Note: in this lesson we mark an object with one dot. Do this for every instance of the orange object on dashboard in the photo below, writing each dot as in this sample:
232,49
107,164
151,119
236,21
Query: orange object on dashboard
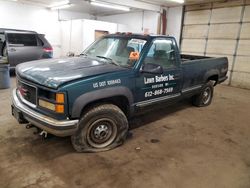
134,55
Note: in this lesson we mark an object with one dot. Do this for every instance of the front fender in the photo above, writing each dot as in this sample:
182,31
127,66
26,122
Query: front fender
96,95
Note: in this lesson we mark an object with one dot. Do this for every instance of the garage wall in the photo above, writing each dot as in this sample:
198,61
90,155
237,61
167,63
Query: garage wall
89,27
220,29
174,17
68,15
79,34
71,37
136,22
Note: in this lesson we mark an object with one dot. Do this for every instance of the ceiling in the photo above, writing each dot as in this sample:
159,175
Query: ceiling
168,3
84,6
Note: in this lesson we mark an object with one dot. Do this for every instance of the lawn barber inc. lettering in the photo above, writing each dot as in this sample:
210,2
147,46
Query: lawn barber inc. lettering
158,79
158,82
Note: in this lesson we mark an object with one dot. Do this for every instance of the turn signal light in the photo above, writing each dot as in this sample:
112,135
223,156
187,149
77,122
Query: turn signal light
60,98
59,108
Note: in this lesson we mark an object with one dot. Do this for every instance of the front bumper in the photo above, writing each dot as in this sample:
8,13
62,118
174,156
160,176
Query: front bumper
25,114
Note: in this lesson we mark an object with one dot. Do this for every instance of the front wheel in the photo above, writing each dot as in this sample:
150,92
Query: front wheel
204,98
101,128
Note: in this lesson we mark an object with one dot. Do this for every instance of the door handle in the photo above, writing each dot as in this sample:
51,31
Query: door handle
177,76
12,49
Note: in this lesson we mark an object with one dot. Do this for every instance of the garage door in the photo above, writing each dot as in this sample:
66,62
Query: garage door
220,29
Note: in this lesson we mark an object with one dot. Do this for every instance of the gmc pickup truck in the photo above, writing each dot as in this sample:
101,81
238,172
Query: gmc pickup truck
91,97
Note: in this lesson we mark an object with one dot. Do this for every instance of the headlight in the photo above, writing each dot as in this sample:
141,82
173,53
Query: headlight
46,104
57,105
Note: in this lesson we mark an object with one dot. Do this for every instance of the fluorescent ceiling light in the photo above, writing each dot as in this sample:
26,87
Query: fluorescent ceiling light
111,6
178,1
59,3
61,7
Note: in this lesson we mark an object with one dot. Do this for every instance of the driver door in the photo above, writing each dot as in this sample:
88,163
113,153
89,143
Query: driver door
152,86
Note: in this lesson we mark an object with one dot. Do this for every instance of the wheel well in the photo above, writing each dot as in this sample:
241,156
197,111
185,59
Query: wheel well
120,101
214,78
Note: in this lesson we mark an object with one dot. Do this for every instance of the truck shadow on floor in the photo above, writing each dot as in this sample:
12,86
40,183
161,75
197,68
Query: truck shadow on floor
157,113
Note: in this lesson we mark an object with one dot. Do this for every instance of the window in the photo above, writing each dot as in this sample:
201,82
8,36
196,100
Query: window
136,44
117,49
162,53
39,42
23,39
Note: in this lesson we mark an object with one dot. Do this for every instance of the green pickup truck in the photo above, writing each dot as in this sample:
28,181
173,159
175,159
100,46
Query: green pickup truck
91,97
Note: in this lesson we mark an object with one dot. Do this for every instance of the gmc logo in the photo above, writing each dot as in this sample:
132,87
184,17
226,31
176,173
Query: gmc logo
24,92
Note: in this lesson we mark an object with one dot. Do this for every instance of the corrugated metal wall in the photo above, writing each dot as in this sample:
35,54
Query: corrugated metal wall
220,29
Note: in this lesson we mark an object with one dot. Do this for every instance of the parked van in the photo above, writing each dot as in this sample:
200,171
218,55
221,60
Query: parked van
21,46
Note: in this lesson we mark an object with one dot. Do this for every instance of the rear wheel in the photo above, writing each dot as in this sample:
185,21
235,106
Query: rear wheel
101,128
205,97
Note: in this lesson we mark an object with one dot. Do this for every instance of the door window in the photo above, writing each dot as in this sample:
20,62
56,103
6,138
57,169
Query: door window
22,39
162,53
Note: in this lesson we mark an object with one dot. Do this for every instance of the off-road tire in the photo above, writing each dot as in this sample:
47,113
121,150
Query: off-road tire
104,118
204,98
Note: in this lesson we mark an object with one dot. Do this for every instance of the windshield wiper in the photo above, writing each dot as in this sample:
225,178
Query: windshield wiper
109,59
82,54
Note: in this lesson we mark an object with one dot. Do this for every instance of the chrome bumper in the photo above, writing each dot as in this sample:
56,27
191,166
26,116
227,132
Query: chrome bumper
53,126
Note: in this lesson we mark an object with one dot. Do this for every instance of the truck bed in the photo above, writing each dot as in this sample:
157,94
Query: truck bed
196,69
186,57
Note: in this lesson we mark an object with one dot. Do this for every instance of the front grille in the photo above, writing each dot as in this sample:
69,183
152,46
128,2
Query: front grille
27,92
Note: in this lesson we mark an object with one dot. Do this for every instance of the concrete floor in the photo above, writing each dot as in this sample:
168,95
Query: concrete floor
180,146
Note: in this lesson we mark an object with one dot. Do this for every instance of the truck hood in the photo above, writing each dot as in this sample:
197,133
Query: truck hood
55,72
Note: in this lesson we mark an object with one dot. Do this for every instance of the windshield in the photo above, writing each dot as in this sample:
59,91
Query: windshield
119,51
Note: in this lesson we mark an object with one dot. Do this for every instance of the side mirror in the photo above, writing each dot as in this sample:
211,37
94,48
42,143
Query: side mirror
152,68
